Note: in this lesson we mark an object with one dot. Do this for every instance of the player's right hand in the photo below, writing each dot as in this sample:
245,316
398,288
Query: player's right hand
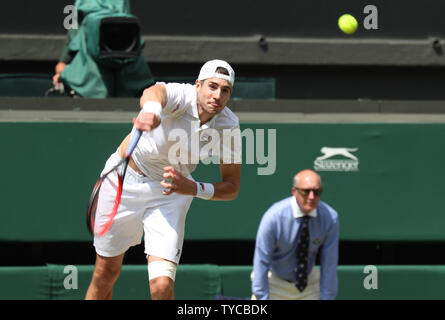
146,121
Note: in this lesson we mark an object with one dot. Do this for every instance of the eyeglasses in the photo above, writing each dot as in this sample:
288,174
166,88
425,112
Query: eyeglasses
306,192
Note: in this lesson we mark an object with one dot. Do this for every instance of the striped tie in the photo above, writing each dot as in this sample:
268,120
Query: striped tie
302,255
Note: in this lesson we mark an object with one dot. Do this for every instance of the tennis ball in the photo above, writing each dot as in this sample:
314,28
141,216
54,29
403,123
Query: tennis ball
347,23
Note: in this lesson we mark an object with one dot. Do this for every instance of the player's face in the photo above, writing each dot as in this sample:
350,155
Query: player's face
213,95
307,193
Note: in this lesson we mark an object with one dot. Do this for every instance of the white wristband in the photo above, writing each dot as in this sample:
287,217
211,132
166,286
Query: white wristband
153,107
204,190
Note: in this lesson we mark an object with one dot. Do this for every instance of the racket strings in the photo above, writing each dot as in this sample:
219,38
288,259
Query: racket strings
101,230
92,206
93,228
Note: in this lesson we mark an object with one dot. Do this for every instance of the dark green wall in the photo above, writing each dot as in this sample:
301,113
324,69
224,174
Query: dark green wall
396,194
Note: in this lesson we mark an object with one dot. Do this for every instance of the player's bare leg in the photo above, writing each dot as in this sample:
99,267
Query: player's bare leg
106,272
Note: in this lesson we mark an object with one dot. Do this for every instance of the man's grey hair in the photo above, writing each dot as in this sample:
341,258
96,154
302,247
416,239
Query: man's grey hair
295,180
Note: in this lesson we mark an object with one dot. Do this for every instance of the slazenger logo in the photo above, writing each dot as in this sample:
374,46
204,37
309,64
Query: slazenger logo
326,163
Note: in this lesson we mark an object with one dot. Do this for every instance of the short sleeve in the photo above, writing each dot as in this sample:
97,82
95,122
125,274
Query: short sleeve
179,97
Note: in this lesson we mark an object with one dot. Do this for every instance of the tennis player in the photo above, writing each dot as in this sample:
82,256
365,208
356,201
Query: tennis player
178,121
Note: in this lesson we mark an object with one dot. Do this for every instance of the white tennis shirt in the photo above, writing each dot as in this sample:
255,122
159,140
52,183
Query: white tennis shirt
181,142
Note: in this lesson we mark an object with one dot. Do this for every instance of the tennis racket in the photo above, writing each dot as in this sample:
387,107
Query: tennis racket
92,202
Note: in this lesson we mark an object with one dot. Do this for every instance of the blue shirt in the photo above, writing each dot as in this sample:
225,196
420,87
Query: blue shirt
276,244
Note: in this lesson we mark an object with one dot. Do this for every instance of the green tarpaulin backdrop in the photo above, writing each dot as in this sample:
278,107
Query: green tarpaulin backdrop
50,168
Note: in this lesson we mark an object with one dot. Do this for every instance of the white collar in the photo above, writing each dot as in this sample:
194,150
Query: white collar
297,211
210,123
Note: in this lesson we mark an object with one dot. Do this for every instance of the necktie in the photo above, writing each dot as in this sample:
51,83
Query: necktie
302,255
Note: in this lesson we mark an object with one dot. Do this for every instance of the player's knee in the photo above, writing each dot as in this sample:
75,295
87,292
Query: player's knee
161,287
107,273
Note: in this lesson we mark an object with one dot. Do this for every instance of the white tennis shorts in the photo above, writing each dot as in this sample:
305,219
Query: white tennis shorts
143,209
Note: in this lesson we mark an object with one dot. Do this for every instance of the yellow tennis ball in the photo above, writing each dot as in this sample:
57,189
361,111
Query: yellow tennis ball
347,23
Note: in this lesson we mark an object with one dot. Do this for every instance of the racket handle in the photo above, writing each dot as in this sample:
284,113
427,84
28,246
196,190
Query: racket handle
133,142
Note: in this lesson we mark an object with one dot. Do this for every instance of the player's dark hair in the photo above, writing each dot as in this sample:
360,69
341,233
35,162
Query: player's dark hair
222,70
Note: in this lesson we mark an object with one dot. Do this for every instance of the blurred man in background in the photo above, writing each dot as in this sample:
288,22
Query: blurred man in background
291,234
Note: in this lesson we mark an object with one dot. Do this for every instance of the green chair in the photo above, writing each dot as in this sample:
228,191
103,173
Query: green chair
24,84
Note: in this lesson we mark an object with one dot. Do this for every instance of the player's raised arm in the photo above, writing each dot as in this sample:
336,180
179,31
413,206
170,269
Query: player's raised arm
152,101
156,92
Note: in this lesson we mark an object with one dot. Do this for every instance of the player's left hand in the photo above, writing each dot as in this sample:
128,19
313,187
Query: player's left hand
174,181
